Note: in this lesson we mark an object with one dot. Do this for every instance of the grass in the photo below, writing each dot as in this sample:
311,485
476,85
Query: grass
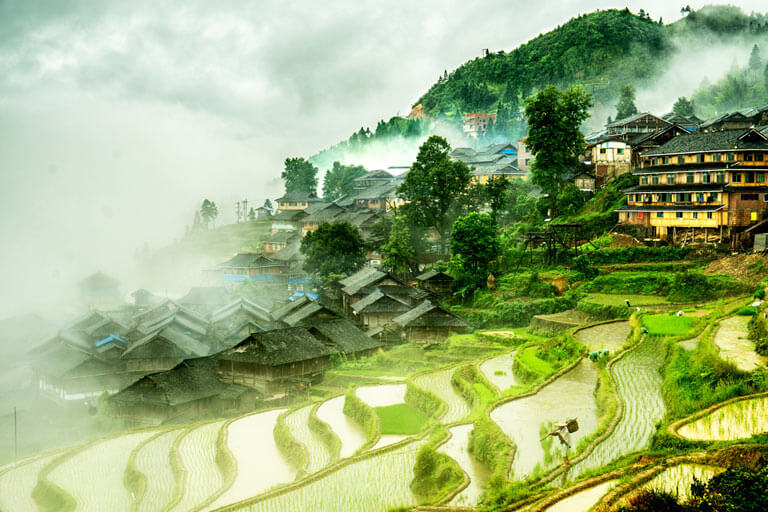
609,299
529,358
401,419
668,325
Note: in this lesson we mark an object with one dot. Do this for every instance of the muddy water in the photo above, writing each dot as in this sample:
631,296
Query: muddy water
298,424
503,365
638,382
677,480
731,339
349,431
606,336
570,396
584,500
260,465
456,448
381,396
738,420
439,383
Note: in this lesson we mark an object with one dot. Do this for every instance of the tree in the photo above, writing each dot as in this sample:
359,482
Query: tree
755,60
268,204
334,248
626,105
495,192
196,224
683,107
208,212
433,186
399,252
300,176
570,199
251,214
554,136
340,180
474,245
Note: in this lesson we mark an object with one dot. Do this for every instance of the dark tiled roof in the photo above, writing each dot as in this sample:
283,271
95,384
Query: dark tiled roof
345,336
205,296
282,237
305,312
431,274
286,309
423,316
359,280
299,196
630,119
726,140
168,342
379,302
249,260
277,347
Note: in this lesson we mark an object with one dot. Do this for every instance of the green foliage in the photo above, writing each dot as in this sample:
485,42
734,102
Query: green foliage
570,199
668,325
334,248
474,245
401,419
490,446
598,312
635,254
554,136
208,212
758,333
760,294
340,180
49,497
433,186
683,107
423,400
400,250
294,452
626,105
473,386
747,311
689,286
434,474
299,176
326,434
519,313
363,414
538,362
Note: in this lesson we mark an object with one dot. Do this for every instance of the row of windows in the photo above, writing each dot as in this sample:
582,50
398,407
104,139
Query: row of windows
680,197
715,157
705,177
678,215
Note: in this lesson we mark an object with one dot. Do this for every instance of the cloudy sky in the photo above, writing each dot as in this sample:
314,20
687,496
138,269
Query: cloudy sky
118,117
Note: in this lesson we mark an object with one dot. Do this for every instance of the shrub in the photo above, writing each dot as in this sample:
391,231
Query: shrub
434,474
363,414
425,401
491,447
747,311
760,294
603,311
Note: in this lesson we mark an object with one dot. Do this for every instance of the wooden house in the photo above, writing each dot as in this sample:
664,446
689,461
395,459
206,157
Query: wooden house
343,337
625,129
251,267
164,349
287,221
708,187
297,201
429,323
435,282
378,308
279,241
494,161
308,314
275,361
359,284
317,214
189,391
235,321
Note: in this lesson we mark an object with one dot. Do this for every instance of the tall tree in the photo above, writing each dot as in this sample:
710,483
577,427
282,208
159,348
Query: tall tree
334,248
433,186
755,60
554,137
626,105
300,176
209,212
340,180
399,252
683,107
474,245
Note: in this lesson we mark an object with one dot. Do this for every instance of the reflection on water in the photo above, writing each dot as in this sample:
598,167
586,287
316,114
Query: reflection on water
584,500
738,420
439,383
381,396
456,448
498,370
349,431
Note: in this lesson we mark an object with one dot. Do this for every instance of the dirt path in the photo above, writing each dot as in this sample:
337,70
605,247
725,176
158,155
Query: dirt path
731,338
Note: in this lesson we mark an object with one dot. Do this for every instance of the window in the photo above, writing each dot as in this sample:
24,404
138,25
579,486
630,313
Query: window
654,161
736,177
709,215
602,151
620,151
758,157
720,177
666,160
749,197
655,179
760,177
689,177
643,180
699,158
679,215
705,178
695,215
730,157
629,215
749,177
659,215
716,157
748,157
670,179
681,159
699,197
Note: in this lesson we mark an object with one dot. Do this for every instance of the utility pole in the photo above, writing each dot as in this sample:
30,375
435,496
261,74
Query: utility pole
237,207
245,210
15,437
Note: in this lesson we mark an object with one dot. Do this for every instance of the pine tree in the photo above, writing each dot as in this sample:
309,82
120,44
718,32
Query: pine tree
626,105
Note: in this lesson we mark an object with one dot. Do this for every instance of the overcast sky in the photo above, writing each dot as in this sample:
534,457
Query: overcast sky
118,118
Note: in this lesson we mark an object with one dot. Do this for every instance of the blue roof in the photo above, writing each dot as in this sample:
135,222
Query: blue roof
110,338
297,295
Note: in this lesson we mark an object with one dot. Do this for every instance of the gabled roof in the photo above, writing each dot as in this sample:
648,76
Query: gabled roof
305,312
378,174
282,237
291,252
299,196
632,119
286,309
379,302
359,280
277,347
169,313
345,337
434,275
249,260
725,140
167,342
205,296
423,316
288,216
58,359
241,304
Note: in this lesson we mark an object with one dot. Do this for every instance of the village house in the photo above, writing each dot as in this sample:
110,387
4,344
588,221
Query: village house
741,120
205,299
250,266
343,337
360,284
708,187
585,181
275,362
189,391
690,124
287,221
279,241
237,320
308,314
296,201
476,123
375,191
496,160
435,281
163,349
317,214
428,323
524,155
378,308
625,129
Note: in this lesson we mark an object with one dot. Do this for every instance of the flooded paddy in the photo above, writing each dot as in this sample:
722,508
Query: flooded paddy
456,448
605,336
677,480
381,396
570,396
260,465
388,439
638,382
298,424
584,500
498,371
102,464
197,454
153,461
17,482
735,346
349,431
369,485
439,383
738,420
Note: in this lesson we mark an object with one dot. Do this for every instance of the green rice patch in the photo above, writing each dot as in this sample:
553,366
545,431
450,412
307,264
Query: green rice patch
529,358
667,325
608,299
401,419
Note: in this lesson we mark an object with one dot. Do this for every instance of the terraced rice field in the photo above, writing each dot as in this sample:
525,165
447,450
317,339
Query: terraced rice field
387,440
456,448
439,383
381,396
584,500
351,434
373,484
197,454
17,482
101,464
298,424
731,338
677,480
639,383
498,371
605,336
738,420
260,465
570,396
153,461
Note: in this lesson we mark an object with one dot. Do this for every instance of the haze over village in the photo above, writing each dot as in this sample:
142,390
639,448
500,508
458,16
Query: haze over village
383,258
